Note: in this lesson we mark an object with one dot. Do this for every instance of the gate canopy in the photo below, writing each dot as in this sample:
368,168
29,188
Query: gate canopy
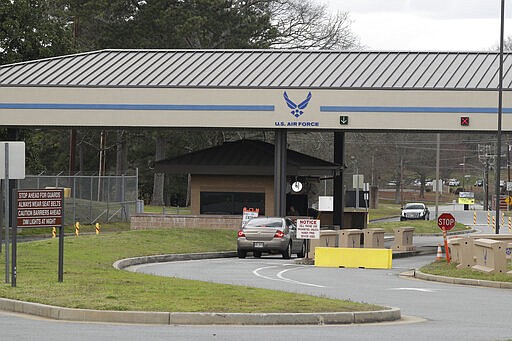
335,90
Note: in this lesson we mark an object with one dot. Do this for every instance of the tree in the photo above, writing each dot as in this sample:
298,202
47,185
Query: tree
212,24
304,24
99,24
32,29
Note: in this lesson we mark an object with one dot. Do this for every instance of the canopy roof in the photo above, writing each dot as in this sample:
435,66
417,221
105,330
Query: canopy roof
263,69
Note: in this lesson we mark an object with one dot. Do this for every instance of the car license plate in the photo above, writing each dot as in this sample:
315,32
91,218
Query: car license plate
258,244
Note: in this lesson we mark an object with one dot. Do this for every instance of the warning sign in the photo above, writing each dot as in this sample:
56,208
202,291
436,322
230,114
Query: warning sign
248,214
308,228
39,207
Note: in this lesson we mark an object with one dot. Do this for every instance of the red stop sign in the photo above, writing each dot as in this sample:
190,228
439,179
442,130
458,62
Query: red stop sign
446,221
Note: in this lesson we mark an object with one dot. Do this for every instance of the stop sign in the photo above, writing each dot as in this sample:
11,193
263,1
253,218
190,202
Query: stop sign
446,221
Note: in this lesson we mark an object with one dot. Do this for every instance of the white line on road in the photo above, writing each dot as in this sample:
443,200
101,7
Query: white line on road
281,278
414,289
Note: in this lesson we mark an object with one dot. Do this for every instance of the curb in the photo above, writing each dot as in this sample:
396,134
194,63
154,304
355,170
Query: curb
180,318
201,318
463,281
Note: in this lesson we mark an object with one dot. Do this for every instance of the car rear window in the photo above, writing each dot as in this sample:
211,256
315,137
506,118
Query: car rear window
264,223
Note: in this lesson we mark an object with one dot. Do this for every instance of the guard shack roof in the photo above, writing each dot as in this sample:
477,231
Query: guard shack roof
332,90
244,157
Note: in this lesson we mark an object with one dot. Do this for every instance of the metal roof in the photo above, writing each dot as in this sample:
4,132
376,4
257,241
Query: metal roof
244,157
263,69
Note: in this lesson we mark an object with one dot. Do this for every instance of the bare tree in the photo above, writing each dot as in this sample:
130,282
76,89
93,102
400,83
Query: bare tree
305,24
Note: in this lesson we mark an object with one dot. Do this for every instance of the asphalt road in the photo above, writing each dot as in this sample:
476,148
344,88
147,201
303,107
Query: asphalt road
432,311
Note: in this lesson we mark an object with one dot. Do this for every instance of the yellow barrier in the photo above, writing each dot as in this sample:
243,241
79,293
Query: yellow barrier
353,258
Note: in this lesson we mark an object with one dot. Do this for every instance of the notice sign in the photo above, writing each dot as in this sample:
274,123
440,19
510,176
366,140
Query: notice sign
248,214
308,228
39,207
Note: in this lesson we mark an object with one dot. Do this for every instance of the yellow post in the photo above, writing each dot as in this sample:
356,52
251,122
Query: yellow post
98,228
54,232
77,228
474,217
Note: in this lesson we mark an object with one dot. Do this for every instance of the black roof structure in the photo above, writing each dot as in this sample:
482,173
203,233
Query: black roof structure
244,157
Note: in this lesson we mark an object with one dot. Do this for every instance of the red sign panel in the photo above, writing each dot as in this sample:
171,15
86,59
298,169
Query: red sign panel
39,207
446,221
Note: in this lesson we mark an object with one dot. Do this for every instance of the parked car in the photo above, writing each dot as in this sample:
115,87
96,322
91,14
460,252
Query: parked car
479,183
272,235
453,182
416,210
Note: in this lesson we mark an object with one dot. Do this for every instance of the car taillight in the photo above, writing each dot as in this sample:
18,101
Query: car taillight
279,234
241,233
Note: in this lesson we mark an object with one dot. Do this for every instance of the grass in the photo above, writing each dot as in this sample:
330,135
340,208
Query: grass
420,226
385,209
166,209
441,268
91,282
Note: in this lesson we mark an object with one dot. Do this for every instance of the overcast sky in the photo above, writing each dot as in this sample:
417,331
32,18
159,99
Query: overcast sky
426,25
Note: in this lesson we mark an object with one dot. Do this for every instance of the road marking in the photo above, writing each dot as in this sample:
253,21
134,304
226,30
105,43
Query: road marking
281,278
414,289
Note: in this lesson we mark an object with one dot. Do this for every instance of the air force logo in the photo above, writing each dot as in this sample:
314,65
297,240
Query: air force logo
297,109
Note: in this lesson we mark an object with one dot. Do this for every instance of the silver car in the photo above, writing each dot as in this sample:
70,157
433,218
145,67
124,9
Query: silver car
272,235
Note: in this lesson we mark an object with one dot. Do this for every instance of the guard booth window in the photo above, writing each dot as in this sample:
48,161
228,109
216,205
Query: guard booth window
230,203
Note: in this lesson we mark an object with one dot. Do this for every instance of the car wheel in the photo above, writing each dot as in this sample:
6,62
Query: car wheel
256,254
402,218
302,252
241,253
287,253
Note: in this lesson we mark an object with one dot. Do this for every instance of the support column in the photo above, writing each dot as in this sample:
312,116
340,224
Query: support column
280,160
338,195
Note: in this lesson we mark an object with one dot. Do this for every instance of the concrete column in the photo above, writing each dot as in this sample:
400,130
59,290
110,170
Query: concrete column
280,161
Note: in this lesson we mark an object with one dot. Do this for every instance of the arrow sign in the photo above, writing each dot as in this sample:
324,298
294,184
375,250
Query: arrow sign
344,120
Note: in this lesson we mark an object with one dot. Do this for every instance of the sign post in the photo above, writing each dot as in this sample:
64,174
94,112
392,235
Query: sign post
308,229
39,208
446,221
12,166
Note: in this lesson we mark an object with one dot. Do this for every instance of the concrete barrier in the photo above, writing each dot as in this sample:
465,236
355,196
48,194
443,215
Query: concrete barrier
403,239
490,256
328,238
374,238
461,252
353,258
349,238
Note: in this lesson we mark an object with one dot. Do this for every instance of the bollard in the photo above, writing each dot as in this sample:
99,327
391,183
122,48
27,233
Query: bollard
77,228
98,228
54,232
474,217
509,224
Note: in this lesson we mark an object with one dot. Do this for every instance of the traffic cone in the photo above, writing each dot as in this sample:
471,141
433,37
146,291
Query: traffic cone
439,253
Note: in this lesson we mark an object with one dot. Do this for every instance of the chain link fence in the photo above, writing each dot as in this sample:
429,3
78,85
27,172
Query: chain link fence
91,199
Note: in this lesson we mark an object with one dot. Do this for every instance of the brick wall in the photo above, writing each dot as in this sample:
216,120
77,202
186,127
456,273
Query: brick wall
146,221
